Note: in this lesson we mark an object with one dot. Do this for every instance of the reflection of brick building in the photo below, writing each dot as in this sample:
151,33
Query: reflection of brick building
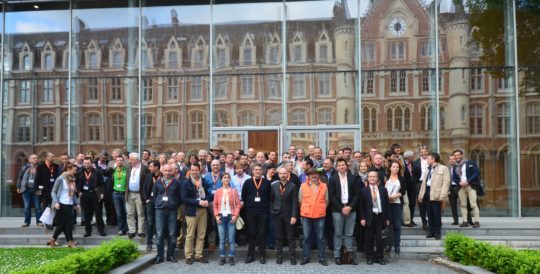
396,87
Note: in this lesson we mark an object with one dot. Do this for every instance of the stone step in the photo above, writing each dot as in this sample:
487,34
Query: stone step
36,230
469,231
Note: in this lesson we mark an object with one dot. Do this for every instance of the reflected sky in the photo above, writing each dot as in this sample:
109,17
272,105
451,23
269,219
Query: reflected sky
55,21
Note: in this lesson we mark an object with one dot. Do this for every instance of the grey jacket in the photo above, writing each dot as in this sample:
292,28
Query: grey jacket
25,178
57,189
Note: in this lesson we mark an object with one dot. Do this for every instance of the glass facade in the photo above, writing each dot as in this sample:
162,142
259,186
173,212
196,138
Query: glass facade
85,76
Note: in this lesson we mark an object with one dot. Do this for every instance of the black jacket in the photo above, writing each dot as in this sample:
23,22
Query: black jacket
286,205
417,171
173,193
94,184
366,204
249,192
45,179
148,185
334,192
189,196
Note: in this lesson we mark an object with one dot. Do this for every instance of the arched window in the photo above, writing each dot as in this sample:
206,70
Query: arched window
172,126
398,118
172,89
273,52
173,54
27,64
503,119
476,119
324,85
480,158
23,128
49,64
222,119
323,48
369,116
298,117
148,126
247,118
117,126
534,156
47,123
273,117
196,125
325,116
533,118
426,118
94,127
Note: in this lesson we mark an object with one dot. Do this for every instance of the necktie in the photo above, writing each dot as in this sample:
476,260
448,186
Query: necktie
374,197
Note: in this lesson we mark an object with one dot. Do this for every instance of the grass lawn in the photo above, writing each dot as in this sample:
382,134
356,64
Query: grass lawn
15,259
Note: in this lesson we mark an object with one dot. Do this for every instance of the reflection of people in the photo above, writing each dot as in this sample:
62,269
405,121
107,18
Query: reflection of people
467,175
90,189
396,189
420,168
64,199
434,191
46,174
26,185
374,216
226,211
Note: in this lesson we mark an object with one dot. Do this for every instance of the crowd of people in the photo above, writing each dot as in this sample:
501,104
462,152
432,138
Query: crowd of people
223,200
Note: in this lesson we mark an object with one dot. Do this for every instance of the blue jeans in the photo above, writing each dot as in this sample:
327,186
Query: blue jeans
166,222
150,221
396,215
30,198
226,231
308,225
119,199
343,231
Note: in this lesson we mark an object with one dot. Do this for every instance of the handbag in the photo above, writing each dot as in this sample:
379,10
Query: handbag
481,188
239,223
48,216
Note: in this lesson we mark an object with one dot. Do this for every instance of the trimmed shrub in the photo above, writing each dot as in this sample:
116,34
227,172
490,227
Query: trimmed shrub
96,260
499,259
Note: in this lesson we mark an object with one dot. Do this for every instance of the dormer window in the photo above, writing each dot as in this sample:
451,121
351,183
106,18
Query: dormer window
48,57
298,49
198,53
323,48
222,52
247,51
273,51
116,55
173,54
26,58
93,56
147,60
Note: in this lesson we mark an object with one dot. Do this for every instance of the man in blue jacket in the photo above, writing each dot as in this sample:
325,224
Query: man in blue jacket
467,175
166,191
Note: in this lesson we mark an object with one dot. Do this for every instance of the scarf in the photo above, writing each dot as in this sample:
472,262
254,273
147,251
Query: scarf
459,166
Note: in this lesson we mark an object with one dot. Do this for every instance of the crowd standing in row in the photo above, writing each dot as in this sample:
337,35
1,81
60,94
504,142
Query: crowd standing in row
347,195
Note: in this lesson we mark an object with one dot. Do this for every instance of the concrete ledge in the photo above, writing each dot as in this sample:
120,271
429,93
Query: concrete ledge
135,266
459,267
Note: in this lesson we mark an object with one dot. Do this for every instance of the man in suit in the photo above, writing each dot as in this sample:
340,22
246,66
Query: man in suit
408,159
89,183
467,175
343,189
420,168
284,213
434,190
46,174
374,216
134,199
328,172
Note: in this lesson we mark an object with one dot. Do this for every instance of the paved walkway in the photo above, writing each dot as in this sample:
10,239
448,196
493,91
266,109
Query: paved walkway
314,268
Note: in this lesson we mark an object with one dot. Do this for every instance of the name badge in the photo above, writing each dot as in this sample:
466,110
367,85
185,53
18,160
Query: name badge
118,186
31,181
51,180
165,198
151,194
85,187
213,192
40,187
257,199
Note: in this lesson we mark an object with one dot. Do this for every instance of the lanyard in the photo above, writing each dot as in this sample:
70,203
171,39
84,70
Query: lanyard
119,173
87,175
282,188
166,184
197,183
215,179
51,168
257,186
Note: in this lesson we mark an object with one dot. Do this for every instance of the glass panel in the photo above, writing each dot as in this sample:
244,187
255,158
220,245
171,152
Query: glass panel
230,142
34,106
175,77
321,62
398,85
479,104
529,105
304,139
339,140
247,50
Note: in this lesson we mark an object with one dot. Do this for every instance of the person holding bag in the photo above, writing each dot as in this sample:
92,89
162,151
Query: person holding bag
226,211
64,199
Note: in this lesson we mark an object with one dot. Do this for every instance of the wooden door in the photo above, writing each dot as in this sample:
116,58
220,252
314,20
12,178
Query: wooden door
263,140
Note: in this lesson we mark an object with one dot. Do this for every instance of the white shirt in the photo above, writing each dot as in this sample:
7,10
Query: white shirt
134,179
237,183
393,187
64,194
225,205
344,189
377,209
464,172
428,183
423,163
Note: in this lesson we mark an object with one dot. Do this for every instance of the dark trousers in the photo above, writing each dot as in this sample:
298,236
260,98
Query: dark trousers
412,195
421,206
453,197
284,229
110,213
360,235
90,204
150,221
329,229
396,217
434,214
374,239
166,227
64,222
256,225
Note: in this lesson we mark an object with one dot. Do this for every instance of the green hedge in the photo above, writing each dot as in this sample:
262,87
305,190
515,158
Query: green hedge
499,259
96,260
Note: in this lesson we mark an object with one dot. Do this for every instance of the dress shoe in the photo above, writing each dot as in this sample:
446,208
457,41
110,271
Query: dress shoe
52,242
470,222
222,261
409,225
249,259
353,261
50,227
279,260
211,247
131,235
262,260
103,234
381,261
437,236
40,224
455,223
323,262
201,260
189,261
148,248
158,260
430,235
25,225
397,250
72,244
369,261
231,261
293,261
87,235
304,261
476,225
413,223
142,235
172,259
464,224
338,261
424,227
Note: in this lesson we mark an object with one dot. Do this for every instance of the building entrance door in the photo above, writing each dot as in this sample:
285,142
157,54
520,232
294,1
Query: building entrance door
260,139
